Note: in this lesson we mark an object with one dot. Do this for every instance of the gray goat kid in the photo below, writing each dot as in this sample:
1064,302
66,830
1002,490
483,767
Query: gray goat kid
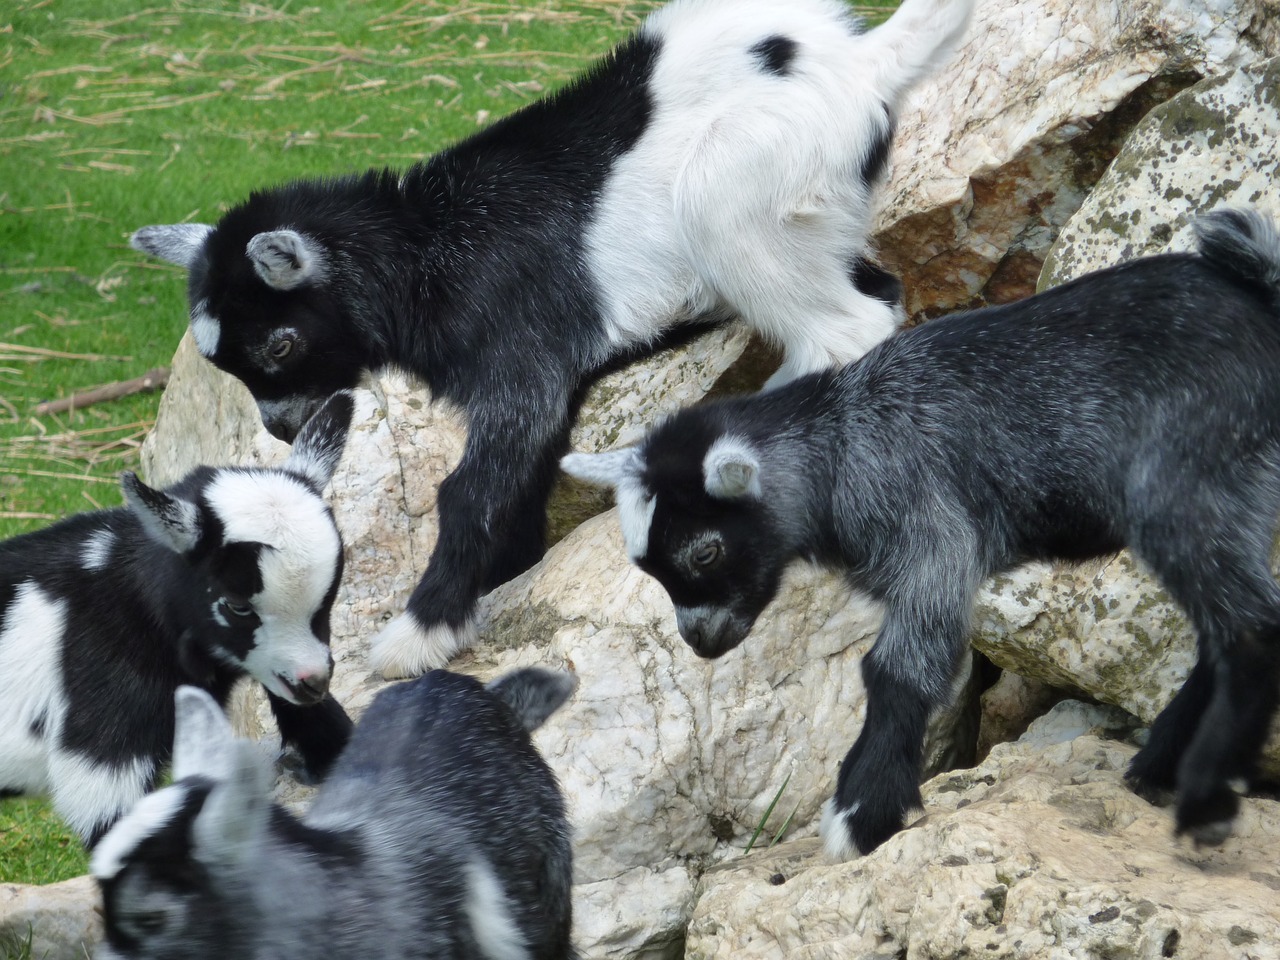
440,833
1138,406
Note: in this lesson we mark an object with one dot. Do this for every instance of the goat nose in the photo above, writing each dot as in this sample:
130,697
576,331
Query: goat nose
281,431
316,683
694,636
308,687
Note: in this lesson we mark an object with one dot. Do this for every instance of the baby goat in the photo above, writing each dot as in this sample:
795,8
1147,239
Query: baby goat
721,161
1138,406
440,833
102,616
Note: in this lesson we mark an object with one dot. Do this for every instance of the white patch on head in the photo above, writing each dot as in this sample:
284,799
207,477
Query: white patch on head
622,470
489,913
31,692
215,608
836,842
731,469
205,329
149,815
97,549
281,511
86,792
635,515
403,648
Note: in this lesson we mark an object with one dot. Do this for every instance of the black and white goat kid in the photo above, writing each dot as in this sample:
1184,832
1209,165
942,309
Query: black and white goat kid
440,834
232,571
721,161
1138,406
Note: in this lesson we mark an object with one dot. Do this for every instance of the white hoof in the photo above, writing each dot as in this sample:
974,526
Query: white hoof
403,648
834,831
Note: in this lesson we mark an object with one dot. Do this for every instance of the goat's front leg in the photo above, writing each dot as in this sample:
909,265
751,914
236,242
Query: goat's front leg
492,513
908,674
318,731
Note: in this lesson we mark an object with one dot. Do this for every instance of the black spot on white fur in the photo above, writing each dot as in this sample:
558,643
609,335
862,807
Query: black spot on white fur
775,54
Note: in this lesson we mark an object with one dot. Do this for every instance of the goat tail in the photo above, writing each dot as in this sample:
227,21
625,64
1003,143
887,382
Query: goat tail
1244,244
533,694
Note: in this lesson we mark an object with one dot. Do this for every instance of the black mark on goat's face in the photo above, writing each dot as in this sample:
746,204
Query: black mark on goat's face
269,585
719,574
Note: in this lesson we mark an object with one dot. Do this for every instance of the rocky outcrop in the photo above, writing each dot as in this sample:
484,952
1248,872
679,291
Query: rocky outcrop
58,920
1212,145
1001,148
1110,630
1038,853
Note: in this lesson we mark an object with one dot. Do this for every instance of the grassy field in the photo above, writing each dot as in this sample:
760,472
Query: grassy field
174,112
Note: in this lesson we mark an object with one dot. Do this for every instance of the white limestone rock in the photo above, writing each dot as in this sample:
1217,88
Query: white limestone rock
1000,148
1212,145
59,921
1040,852
669,761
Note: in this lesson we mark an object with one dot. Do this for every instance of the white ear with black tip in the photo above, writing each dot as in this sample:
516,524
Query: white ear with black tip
178,243
731,470
171,521
317,449
603,469
285,259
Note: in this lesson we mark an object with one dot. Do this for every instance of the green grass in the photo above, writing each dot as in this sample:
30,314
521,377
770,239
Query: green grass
35,847
110,120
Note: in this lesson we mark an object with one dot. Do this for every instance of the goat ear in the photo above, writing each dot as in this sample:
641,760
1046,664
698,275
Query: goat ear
919,37
318,447
178,243
169,520
533,694
603,469
229,828
285,259
731,470
202,736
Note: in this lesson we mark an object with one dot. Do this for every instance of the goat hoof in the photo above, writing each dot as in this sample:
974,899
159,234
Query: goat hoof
1153,791
404,648
1207,820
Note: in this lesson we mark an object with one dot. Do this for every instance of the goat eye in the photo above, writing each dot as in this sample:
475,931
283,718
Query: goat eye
708,555
282,348
241,610
149,923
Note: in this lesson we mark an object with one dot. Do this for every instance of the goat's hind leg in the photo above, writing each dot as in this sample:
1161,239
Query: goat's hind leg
1153,772
1221,761
1209,738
